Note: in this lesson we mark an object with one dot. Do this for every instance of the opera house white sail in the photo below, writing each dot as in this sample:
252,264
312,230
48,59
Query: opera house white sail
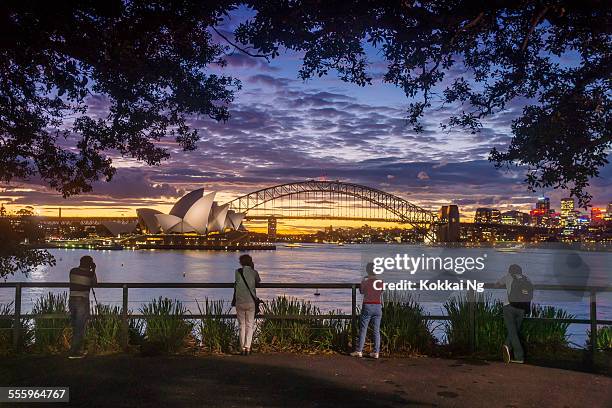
194,212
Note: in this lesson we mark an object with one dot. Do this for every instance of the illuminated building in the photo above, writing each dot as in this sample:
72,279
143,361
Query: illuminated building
487,216
514,217
195,212
272,229
598,215
567,212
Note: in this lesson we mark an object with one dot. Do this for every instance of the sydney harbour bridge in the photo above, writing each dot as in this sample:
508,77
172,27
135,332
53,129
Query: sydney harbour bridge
334,200
324,200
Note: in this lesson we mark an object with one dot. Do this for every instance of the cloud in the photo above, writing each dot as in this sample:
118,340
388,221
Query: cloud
422,175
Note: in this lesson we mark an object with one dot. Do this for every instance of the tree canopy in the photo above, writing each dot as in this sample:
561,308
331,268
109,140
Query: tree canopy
146,59
474,57
149,60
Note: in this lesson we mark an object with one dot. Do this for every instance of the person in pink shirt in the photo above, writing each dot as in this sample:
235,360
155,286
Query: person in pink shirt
371,310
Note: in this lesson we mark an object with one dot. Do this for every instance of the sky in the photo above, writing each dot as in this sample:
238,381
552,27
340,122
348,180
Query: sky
283,129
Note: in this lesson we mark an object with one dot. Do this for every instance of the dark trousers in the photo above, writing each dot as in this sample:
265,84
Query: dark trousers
513,318
79,314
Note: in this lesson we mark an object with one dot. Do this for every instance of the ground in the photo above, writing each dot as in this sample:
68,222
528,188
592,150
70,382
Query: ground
292,380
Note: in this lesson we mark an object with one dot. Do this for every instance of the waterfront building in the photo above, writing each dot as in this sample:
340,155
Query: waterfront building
487,216
195,212
515,217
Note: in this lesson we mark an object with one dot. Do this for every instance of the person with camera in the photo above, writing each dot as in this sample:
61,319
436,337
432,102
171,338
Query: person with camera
82,278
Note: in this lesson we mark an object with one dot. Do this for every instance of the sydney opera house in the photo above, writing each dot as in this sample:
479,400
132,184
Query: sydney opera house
196,212
195,221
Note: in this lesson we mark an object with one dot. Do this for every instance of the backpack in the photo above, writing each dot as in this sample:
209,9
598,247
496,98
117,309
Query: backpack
521,293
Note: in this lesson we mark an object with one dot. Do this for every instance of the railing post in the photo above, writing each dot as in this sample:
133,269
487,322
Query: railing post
353,315
17,319
124,320
593,317
471,320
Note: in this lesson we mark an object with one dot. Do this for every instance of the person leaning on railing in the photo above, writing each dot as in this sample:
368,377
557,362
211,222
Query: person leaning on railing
519,293
371,309
82,278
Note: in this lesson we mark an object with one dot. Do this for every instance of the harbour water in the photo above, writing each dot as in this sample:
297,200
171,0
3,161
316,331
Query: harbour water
329,263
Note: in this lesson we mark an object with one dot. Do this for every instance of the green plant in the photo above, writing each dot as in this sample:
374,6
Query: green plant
543,335
217,334
104,330
489,324
490,332
6,327
311,331
166,329
51,333
604,338
404,326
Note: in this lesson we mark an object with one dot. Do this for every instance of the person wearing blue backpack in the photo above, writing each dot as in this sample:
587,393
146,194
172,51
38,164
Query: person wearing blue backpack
519,291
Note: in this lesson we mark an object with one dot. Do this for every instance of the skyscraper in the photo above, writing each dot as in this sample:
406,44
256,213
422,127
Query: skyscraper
567,211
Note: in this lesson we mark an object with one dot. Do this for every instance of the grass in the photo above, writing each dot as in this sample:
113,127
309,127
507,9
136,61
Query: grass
404,326
217,334
51,334
317,333
165,330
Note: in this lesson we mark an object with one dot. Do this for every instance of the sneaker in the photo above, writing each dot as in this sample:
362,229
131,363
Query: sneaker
518,361
247,352
506,353
356,354
374,355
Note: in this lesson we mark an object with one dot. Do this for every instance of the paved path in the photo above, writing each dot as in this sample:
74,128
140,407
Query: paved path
290,380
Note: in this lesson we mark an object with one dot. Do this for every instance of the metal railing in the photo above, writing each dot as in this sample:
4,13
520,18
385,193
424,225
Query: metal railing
125,315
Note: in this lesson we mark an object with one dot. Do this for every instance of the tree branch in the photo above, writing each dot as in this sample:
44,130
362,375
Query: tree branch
535,20
244,50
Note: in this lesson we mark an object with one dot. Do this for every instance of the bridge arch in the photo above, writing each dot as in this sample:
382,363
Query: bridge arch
419,218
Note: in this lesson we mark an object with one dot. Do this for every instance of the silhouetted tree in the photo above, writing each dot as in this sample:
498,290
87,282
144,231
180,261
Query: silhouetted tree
79,79
15,255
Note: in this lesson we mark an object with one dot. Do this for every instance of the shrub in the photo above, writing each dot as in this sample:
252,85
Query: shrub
537,336
604,338
6,327
314,332
217,334
490,331
104,330
165,330
545,336
51,334
404,327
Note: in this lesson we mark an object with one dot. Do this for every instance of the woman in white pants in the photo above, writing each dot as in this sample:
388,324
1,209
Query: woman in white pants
246,278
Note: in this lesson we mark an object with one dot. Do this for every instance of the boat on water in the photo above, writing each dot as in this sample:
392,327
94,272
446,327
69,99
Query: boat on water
340,243
293,245
514,248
